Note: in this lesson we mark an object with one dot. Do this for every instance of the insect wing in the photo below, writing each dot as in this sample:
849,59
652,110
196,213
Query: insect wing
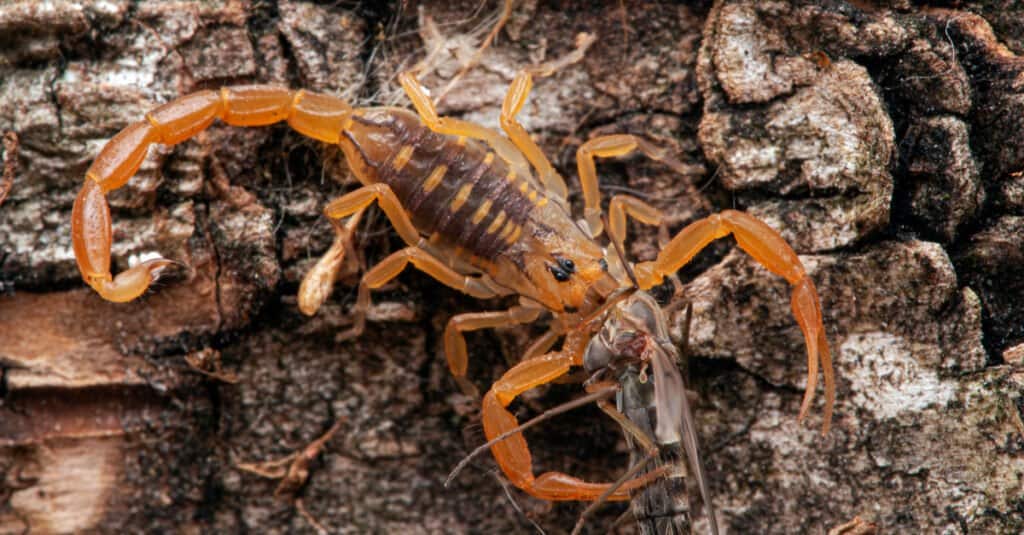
675,420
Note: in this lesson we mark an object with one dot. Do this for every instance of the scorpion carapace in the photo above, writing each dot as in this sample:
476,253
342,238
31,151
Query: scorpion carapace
473,216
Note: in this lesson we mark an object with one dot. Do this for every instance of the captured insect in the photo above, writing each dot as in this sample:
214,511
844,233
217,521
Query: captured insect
654,412
632,358
479,211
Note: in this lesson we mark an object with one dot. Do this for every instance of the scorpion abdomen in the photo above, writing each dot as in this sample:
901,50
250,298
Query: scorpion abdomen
456,190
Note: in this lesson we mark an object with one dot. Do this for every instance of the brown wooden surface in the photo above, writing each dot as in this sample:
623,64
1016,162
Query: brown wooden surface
884,139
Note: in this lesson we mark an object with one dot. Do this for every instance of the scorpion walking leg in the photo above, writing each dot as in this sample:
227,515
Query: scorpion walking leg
318,116
390,267
355,201
513,454
514,100
541,345
455,342
767,247
317,285
318,282
608,147
455,127
622,205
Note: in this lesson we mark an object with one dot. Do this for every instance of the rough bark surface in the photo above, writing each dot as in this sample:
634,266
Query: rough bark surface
885,140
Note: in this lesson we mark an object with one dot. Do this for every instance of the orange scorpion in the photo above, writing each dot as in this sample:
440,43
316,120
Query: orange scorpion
475,217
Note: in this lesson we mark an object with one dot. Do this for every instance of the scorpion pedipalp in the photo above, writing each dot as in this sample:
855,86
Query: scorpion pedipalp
769,248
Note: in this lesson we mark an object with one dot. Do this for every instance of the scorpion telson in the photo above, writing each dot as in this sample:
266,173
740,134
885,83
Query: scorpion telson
482,213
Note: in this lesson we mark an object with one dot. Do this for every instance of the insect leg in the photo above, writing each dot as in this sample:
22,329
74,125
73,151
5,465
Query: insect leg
390,267
771,250
455,342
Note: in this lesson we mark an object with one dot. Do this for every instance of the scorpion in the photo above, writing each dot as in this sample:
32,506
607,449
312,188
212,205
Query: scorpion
481,212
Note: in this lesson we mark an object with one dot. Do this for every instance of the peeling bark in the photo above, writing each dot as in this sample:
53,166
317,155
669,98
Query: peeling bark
885,140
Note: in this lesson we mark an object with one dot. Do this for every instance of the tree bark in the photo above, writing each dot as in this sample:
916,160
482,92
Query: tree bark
885,141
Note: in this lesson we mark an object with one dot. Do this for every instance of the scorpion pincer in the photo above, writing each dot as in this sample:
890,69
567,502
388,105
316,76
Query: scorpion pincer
483,213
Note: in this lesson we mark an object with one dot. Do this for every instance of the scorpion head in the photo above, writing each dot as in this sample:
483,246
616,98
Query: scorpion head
567,271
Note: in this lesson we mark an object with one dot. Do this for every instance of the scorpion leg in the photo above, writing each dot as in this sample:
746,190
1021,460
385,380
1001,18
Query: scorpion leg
513,454
455,127
317,285
455,342
767,247
514,100
622,205
609,147
390,267
318,116
355,201
541,345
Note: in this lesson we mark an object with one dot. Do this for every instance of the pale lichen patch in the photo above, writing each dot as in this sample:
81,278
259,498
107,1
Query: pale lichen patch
887,378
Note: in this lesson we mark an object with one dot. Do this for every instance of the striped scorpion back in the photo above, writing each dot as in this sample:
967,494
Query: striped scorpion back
455,190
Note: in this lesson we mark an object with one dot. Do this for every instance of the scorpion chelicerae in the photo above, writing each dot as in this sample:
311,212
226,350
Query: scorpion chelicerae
483,213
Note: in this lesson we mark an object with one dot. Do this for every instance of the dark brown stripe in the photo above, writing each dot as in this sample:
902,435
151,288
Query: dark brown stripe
439,156
517,207
502,193
458,225
405,181
431,211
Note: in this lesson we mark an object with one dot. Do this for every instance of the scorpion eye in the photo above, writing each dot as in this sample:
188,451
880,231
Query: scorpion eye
563,270
560,274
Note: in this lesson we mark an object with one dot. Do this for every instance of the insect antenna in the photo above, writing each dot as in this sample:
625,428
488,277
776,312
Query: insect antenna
598,395
633,470
688,432
515,505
